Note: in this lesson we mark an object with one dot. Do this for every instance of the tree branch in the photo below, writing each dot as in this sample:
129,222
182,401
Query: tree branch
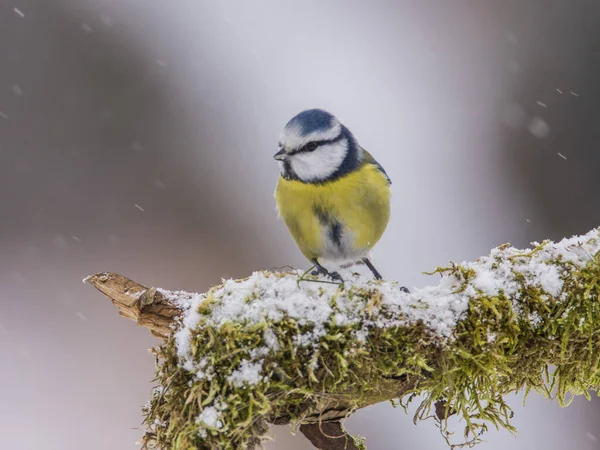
270,349
328,436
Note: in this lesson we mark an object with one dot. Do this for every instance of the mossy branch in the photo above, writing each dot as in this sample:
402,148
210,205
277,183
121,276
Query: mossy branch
270,350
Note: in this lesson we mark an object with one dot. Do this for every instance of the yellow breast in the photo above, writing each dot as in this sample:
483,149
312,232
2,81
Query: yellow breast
359,202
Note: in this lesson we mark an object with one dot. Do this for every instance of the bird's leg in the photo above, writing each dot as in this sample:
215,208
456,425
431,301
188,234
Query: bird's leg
377,275
320,270
372,268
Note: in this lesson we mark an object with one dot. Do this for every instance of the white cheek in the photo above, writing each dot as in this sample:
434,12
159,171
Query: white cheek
321,163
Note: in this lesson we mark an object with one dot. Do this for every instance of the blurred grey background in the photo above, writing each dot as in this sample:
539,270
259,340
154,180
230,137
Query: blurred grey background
136,136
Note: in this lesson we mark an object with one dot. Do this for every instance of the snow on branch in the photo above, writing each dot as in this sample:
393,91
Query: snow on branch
271,349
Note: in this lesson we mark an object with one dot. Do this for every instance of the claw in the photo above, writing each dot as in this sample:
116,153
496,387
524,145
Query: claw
335,276
320,270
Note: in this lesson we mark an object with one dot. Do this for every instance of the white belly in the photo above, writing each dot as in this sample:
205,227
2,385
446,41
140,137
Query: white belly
338,246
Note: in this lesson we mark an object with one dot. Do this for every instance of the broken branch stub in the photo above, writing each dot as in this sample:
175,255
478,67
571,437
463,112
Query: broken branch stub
146,306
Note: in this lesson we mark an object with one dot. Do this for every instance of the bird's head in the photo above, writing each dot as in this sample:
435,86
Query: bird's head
315,147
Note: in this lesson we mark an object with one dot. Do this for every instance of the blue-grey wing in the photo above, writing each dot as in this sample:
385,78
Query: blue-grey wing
368,159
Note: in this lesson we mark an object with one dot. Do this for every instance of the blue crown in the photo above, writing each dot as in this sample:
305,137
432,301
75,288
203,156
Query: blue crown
311,120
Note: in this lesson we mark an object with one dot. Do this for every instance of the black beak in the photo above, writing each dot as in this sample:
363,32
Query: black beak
280,155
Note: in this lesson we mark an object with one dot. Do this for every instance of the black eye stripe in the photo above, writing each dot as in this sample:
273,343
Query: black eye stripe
317,144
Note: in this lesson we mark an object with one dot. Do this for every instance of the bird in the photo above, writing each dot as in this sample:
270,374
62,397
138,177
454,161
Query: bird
333,196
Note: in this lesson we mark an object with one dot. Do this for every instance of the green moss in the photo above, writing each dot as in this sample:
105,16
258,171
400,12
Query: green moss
499,346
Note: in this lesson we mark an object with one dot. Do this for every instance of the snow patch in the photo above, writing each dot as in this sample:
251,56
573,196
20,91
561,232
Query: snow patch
248,372
209,417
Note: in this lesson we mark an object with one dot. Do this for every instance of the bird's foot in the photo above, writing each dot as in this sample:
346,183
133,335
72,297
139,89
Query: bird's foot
335,276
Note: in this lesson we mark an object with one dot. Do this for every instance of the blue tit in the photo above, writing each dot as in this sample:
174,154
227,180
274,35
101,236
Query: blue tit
332,194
